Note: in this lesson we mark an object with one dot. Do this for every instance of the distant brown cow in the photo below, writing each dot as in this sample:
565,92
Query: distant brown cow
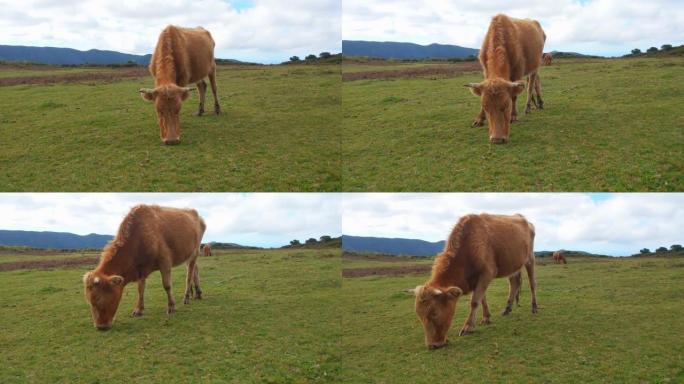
558,258
479,249
150,238
548,58
183,56
206,250
511,50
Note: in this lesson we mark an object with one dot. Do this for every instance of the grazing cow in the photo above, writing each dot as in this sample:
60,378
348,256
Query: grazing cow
511,50
479,249
183,56
150,238
558,258
206,250
548,58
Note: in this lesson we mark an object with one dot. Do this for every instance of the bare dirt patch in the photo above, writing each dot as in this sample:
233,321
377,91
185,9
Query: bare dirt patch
444,70
104,76
48,264
351,256
387,271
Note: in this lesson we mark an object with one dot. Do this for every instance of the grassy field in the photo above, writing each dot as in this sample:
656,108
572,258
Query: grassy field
279,131
608,125
265,318
600,320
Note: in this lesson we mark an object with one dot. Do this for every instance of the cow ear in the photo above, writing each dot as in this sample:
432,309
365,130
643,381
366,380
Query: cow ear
453,292
116,280
517,88
186,93
475,88
86,277
414,291
147,94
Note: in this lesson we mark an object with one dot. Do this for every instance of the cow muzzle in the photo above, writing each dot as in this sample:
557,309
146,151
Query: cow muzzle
437,345
171,141
103,327
498,140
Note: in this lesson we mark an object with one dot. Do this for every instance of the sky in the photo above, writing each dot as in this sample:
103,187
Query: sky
599,27
264,31
256,219
610,224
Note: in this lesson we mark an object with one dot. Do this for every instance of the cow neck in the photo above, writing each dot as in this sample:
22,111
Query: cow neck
449,270
166,72
498,64
118,263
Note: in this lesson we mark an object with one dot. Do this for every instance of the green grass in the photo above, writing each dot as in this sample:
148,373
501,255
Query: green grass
279,131
265,318
608,125
599,321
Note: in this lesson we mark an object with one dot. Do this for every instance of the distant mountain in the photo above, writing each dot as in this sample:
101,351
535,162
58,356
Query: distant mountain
394,246
55,240
393,50
68,56
573,55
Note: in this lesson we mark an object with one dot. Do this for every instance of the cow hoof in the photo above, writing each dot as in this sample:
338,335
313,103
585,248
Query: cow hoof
528,110
217,111
535,309
198,296
498,140
171,310
186,300
137,313
465,332
200,112
485,321
506,311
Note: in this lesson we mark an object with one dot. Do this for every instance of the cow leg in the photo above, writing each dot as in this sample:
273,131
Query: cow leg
202,88
140,305
537,90
485,311
533,284
165,271
475,300
480,119
514,113
212,80
514,283
188,281
530,90
198,290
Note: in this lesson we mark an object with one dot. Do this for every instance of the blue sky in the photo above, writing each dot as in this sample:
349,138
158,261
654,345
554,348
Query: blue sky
601,27
264,31
613,224
259,219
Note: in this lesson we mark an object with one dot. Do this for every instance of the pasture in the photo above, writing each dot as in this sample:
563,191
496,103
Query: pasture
608,125
266,317
600,320
87,129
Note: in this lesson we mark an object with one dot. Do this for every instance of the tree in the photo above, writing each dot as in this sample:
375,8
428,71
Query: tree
666,47
294,58
310,57
636,51
324,55
661,249
645,251
311,241
295,242
325,239
652,50
676,248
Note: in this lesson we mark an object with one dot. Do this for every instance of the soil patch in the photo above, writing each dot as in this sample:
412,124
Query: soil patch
108,77
49,264
446,70
387,271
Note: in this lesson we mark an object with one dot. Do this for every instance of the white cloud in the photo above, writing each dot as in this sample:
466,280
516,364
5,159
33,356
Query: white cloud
607,27
265,31
615,224
264,219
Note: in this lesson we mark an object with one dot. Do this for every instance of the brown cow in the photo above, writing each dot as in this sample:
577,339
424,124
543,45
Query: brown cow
548,58
479,249
150,238
558,258
206,250
183,56
511,50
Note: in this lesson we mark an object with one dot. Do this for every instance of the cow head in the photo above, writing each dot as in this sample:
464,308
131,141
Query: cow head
103,293
167,100
435,308
496,96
